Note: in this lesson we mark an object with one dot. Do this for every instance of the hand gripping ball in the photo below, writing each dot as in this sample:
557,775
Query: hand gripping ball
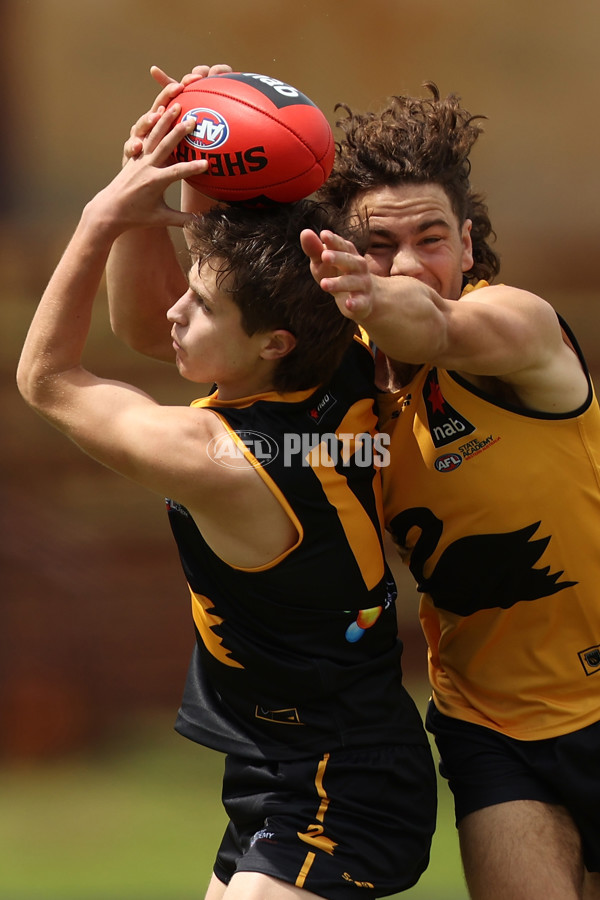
263,139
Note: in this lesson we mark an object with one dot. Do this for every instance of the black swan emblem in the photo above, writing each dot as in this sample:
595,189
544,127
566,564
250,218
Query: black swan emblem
480,571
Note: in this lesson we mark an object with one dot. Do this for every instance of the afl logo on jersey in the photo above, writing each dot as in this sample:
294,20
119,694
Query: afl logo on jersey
211,129
448,462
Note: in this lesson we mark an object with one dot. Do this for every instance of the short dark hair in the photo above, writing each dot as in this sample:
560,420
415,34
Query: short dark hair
259,262
415,140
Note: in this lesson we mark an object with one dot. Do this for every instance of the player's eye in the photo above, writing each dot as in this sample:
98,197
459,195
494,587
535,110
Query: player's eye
200,300
378,246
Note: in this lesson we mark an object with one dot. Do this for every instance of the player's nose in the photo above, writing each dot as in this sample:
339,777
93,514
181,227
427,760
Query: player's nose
406,261
177,313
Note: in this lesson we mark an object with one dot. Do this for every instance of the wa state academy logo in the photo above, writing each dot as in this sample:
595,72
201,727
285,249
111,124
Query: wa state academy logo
445,423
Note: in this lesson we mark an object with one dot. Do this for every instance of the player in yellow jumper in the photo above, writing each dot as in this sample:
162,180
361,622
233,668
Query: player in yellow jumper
513,646
493,497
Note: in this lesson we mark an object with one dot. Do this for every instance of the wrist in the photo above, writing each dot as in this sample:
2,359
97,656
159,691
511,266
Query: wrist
99,222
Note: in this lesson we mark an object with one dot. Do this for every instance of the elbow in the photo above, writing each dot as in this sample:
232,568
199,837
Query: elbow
31,388
24,382
124,332
42,391
155,343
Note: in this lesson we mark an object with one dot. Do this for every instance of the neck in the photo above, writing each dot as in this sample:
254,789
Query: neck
391,375
248,388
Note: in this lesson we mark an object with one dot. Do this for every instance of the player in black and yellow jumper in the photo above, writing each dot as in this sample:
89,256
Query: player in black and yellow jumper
275,506
492,495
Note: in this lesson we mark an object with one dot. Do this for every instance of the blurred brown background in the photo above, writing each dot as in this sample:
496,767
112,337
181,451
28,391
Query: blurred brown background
94,615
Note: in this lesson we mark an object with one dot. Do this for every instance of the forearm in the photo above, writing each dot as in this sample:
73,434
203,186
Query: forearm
50,374
56,338
144,279
406,319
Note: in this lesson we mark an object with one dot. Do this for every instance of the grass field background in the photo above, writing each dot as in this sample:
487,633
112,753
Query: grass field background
140,819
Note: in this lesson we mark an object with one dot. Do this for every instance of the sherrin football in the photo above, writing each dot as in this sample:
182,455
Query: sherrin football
263,139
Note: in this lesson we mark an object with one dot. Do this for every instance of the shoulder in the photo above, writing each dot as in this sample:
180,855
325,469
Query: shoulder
508,296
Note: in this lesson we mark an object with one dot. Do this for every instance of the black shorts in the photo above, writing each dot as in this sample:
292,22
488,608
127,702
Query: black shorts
350,823
485,767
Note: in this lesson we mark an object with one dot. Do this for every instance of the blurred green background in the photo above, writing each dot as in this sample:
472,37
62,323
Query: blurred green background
100,798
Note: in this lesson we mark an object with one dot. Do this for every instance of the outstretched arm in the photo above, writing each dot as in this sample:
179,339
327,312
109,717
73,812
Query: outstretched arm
403,316
144,276
162,448
115,423
499,332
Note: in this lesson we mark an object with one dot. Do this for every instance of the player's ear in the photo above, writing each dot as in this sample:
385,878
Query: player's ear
467,245
278,344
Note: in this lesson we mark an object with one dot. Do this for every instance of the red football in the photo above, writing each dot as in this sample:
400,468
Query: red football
263,139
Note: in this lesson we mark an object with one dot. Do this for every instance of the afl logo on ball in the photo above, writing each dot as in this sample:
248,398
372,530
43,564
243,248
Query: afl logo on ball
211,129
448,462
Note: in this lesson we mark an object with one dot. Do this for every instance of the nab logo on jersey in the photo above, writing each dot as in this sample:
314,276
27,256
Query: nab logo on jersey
448,462
445,423
211,129
318,412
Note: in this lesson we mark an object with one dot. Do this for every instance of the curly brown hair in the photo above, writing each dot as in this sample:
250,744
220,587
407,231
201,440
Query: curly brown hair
260,264
415,140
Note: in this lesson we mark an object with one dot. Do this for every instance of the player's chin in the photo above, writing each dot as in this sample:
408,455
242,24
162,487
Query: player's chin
180,363
190,372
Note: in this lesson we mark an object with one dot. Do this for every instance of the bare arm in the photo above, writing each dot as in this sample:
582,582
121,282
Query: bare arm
496,332
162,448
143,275
114,422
